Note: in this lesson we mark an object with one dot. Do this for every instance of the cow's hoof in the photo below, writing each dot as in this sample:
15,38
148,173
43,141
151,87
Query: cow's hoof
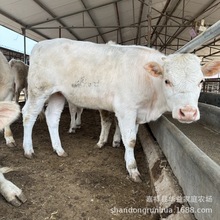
63,154
136,179
116,144
72,130
11,144
135,175
20,199
29,156
78,126
100,144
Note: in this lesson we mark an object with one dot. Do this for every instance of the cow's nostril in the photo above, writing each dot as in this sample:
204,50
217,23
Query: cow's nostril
182,113
195,113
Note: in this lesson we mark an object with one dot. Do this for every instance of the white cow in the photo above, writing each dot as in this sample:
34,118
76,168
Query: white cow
6,93
9,112
137,83
20,71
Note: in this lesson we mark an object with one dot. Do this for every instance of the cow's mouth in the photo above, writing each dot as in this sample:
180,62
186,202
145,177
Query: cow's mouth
186,121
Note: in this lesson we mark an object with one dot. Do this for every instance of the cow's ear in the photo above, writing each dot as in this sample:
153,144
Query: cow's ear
154,69
9,111
211,68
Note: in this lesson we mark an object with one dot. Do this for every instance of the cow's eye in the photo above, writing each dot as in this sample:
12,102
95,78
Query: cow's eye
202,81
167,82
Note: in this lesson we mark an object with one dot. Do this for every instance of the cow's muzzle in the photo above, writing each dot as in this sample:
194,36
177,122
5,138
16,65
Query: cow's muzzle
188,114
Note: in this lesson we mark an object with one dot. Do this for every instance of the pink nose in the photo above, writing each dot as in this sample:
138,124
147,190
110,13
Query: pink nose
188,113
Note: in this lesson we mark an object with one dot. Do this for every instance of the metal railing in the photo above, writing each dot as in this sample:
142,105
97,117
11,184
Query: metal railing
211,85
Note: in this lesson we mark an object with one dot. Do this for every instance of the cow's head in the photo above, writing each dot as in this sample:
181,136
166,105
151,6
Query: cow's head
182,78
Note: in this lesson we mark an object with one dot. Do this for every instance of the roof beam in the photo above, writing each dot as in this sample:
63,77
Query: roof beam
207,45
132,39
109,26
176,4
130,26
139,21
54,16
23,25
93,21
171,17
144,36
211,54
118,21
180,30
74,13
207,35
149,23
161,15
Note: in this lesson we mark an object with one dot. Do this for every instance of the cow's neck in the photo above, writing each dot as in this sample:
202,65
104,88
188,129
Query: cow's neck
154,106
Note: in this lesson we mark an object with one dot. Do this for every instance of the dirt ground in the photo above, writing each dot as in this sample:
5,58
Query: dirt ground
89,184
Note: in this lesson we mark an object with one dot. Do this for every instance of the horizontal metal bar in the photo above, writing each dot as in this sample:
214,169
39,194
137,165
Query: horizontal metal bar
170,45
113,26
207,35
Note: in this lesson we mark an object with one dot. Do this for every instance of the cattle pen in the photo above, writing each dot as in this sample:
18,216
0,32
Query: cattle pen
179,163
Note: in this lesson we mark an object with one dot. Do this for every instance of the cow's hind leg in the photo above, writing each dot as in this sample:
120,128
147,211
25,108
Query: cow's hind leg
55,107
30,111
106,121
17,94
75,113
72,109
78,117
117,135
128,128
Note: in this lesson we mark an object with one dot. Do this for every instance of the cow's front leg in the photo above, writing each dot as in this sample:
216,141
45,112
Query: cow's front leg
128,127
75,114
55,107
11,192
30,111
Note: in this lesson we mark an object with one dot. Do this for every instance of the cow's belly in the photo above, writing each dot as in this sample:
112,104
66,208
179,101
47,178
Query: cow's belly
90,99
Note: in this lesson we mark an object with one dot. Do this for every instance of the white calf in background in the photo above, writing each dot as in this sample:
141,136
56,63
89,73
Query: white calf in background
6,93
9,112
20,71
